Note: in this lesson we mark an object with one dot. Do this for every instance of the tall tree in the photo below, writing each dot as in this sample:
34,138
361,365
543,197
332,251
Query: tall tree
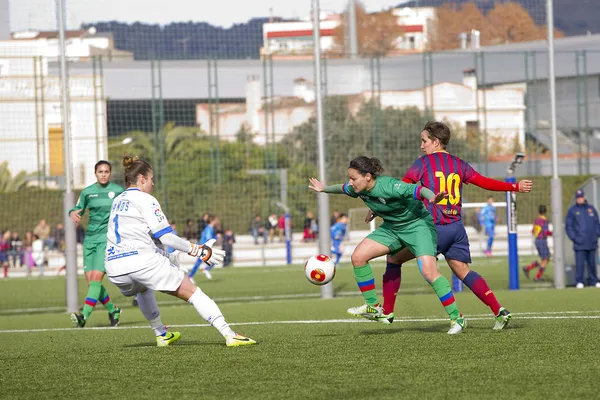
506,22
377,33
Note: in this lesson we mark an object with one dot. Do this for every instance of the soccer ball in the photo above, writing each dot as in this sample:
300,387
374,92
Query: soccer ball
319,269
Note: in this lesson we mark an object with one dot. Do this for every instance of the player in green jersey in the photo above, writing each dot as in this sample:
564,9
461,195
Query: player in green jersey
406,223
97,198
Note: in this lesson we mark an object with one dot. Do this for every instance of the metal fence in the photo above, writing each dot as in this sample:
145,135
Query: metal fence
230,127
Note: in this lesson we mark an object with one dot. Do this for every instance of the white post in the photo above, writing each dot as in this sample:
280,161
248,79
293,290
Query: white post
555,183
323,199
69,196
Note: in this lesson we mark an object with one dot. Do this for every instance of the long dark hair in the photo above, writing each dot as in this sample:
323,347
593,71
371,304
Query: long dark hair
365,165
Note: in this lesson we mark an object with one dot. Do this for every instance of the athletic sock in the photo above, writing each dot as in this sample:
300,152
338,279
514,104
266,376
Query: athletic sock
533,265
148,307
480,288
441,286
366,283
540,273
209,310
91,298
105,300
391,284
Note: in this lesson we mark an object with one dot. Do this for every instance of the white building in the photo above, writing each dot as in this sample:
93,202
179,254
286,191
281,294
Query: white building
295,38
31,124
502,118
416,23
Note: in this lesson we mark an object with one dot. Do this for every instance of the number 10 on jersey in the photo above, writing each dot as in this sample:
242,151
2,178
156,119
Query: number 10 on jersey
450,184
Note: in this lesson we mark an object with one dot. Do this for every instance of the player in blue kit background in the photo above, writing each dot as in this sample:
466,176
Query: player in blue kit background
209,232
442,172
338,233
487,219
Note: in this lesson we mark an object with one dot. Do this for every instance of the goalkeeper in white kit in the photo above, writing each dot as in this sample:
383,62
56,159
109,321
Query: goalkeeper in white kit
138,268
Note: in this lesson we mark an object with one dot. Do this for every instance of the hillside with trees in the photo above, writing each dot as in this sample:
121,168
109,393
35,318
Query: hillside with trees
508,22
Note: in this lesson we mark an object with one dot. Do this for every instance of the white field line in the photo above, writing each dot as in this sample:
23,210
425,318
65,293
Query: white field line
522,316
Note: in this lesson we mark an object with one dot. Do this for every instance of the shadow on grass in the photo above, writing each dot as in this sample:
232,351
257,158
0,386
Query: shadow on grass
185,343
339,289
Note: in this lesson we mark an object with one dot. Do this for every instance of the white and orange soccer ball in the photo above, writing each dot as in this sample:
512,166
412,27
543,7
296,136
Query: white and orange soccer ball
319,269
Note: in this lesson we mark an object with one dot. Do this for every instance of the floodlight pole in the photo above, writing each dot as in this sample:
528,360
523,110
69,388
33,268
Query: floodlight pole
323,199
71,292
555,183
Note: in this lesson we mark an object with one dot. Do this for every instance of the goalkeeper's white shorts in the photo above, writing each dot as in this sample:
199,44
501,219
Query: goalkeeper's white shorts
159,274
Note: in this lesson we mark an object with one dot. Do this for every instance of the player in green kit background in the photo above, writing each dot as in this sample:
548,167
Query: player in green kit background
98,199
406,223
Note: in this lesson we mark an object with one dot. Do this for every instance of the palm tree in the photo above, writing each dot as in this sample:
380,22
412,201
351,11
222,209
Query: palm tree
179,142
9,183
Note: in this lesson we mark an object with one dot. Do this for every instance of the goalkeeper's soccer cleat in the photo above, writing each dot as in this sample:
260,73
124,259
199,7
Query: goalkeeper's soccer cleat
366,311
115,317
78,319
502,319
457,326
167,339
238,340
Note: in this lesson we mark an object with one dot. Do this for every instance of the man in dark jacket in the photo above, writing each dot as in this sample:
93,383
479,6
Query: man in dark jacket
583,228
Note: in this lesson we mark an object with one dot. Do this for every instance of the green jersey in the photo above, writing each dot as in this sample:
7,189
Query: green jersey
393,200
98,200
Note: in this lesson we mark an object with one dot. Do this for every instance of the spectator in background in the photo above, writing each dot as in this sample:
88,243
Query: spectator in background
4,251
201,225
190,232
80,233
334,217
228,241
257,229
487,219
583,228
309,227
272,227
37,252
27,257
58,237
42,230
16,252
281,226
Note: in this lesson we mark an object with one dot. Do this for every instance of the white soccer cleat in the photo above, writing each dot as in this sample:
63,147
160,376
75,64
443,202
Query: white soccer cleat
457,326
598,285
207,274
580,285
366,311
238,340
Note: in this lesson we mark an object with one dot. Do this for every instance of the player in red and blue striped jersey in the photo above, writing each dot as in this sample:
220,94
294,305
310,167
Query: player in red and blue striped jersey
540,231
442,172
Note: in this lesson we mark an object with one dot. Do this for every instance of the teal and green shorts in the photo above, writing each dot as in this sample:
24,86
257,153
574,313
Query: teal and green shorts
419,236
93,256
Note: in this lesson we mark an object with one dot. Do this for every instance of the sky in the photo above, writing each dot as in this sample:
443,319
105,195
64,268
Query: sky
40,14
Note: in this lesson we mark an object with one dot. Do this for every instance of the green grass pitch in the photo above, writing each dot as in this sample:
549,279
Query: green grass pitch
308,348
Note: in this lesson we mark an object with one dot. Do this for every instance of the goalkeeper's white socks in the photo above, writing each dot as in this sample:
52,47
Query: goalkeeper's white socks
148,307
209,310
